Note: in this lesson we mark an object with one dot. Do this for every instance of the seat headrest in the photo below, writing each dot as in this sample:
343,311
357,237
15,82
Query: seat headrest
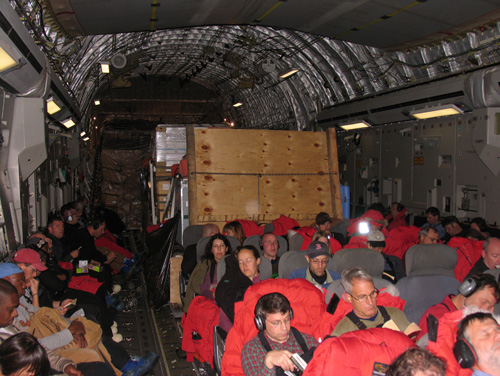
426,259
369,259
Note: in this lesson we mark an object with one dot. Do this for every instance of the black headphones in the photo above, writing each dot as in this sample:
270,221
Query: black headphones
400,207
261,241
468,286
259,318
464,353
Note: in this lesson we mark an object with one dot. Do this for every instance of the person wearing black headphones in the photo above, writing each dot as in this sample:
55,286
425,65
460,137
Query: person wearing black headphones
478,344
270,352
480,290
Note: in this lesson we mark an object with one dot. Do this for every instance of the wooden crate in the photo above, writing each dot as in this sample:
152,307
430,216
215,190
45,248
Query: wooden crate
261,174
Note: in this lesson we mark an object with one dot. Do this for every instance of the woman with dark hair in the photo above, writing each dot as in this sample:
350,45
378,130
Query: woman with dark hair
241,273
203,280
22,355
235,230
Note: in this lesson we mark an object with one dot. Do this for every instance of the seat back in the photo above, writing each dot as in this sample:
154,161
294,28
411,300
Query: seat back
191,235
202,243
341,227
429,259
369,259
268,227
291,261
219,347
337,288
423,291
255,241
295,242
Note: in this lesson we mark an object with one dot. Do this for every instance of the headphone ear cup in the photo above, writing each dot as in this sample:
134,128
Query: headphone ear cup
464,353
468,287
261,244
291,313
260,323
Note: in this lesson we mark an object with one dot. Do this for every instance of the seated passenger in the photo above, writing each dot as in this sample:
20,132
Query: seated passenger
428,235
235,282
189,255
490,257
273,347
235,230
317,256
203,280
393,269
434,221
269,246
333,245
453,228
480,225
22,355
397,217
417,362
324,223
478,344
480,290
362,294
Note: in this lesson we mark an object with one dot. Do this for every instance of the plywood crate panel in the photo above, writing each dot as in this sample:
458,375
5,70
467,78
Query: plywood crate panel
261,174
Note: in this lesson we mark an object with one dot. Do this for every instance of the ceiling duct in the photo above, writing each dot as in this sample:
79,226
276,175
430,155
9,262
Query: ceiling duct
119,61
468,92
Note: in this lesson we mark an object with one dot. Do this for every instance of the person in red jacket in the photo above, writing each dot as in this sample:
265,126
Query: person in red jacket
273,347
397,217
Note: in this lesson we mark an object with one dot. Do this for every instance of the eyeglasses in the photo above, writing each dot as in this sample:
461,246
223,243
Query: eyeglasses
319,262
277,324
364,298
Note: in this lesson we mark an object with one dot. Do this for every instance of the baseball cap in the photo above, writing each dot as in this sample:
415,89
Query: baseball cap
316,249
376,238
29,256
7,268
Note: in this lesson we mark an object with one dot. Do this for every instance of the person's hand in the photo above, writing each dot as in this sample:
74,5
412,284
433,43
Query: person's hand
110,257
72,371
33,285
279,359
76,328
74,254
80,341
61,308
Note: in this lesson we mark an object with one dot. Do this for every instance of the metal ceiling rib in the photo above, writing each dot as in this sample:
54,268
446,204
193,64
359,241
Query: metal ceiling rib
226,58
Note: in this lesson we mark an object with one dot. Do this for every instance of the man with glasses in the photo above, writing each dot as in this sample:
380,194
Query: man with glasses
428,235
317,256
269,353
362,294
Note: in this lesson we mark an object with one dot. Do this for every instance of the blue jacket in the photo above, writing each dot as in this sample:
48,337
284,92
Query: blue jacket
301,273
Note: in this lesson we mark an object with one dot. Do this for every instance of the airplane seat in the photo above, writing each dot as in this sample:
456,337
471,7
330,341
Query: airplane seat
220,336
255,241
291,261
430,277
341,227
295,242
369,259
268,227
191,235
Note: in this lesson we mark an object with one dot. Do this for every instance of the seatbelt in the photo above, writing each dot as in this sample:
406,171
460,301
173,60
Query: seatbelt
356,320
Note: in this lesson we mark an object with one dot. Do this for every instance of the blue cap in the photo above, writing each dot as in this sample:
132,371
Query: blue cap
6,269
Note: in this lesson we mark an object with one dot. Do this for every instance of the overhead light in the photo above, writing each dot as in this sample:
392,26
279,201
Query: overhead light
238,104
432,112
105,67
52,106
68,123
355,125
97,102
85,139
8,58
288,72
83,133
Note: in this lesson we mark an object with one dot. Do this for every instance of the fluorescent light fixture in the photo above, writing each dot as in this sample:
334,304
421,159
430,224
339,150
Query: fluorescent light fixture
97,102
288,72
432,112
8,58
52,106
85,139
238,104
105,67
68,123
357,124
83,133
